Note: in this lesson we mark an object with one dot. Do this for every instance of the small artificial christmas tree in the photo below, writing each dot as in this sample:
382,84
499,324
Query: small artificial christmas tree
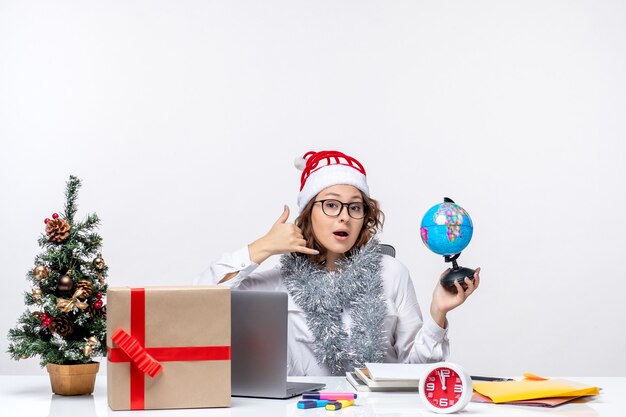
68,324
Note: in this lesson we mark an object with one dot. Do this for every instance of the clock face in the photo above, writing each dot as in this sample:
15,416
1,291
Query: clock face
444,387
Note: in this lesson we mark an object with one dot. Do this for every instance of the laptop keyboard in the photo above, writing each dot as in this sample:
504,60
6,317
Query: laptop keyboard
292,387
300,387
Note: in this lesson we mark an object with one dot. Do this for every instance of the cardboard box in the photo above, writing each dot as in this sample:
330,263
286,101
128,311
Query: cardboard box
182,333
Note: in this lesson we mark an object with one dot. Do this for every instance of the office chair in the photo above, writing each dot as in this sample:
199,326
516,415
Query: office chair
388,250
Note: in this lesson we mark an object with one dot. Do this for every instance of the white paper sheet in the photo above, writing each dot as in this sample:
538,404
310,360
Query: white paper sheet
389,371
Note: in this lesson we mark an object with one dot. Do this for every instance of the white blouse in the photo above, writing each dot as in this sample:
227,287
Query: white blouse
410,338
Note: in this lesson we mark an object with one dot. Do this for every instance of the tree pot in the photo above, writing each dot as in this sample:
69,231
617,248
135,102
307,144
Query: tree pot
73,379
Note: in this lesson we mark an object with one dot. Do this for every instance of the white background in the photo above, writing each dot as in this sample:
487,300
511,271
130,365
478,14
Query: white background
182,118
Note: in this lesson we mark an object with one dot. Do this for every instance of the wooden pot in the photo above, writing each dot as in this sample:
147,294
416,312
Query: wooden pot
73,379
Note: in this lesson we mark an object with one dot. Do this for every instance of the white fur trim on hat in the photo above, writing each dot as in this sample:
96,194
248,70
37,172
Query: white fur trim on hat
330,175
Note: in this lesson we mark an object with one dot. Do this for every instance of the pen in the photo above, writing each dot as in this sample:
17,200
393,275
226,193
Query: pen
490,378
312,403
339,404
321,395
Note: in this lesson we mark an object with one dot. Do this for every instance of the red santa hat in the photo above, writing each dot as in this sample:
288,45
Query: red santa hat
323,169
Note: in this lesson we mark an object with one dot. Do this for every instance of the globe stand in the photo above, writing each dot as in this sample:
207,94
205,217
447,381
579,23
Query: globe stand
457,273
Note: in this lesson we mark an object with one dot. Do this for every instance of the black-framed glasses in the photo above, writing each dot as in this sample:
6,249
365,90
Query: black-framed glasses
333,208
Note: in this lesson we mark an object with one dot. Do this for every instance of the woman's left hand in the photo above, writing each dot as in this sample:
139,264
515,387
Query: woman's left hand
444,301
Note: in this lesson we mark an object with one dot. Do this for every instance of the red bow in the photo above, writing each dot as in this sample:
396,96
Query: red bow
137,353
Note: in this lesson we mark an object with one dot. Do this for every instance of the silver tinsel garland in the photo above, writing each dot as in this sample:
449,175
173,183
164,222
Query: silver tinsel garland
355,285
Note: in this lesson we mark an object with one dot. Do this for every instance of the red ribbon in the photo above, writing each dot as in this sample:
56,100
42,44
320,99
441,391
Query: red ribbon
146,359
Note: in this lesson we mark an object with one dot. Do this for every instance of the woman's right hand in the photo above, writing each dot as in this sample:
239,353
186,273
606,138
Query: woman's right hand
283,237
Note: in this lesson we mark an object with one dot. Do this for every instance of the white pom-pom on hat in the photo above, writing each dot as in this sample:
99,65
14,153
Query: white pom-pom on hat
299,163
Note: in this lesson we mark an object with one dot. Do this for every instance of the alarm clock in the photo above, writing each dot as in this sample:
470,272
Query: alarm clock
445,388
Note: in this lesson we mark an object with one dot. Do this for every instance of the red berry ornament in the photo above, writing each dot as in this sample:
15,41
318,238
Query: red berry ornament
99,296
46,220
55,216
98,304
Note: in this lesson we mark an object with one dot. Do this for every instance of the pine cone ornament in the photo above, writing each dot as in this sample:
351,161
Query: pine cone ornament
57,230
61,326
85,286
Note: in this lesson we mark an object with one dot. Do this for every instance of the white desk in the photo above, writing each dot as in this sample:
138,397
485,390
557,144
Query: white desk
25,396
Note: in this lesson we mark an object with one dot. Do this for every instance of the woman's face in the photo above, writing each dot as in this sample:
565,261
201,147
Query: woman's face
337,234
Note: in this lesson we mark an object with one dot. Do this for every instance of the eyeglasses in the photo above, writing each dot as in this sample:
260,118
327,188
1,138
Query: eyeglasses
333,208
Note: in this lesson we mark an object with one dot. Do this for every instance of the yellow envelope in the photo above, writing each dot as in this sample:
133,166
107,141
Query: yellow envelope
530,389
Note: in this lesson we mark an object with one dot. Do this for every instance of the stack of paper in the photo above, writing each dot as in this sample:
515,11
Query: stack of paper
532,390
386,377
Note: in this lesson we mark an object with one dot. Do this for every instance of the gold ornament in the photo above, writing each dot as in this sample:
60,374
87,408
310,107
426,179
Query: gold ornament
101,279
87,350
65,283
93,341
68,305
98,263
37,292
41,272
24,357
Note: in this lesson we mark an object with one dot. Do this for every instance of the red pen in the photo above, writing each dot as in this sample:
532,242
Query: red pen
321,395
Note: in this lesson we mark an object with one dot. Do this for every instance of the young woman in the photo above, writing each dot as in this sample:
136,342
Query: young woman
348,303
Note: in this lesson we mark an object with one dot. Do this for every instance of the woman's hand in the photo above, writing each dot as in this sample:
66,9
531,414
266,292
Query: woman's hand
283,237
444,301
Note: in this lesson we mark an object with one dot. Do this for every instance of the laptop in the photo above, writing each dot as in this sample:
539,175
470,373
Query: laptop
259,346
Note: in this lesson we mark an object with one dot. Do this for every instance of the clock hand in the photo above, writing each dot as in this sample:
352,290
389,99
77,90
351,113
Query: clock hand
442,379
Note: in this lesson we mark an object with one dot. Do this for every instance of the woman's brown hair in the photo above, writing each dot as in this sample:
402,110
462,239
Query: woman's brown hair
372,224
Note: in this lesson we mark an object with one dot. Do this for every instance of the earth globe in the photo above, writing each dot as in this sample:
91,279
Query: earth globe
446,230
